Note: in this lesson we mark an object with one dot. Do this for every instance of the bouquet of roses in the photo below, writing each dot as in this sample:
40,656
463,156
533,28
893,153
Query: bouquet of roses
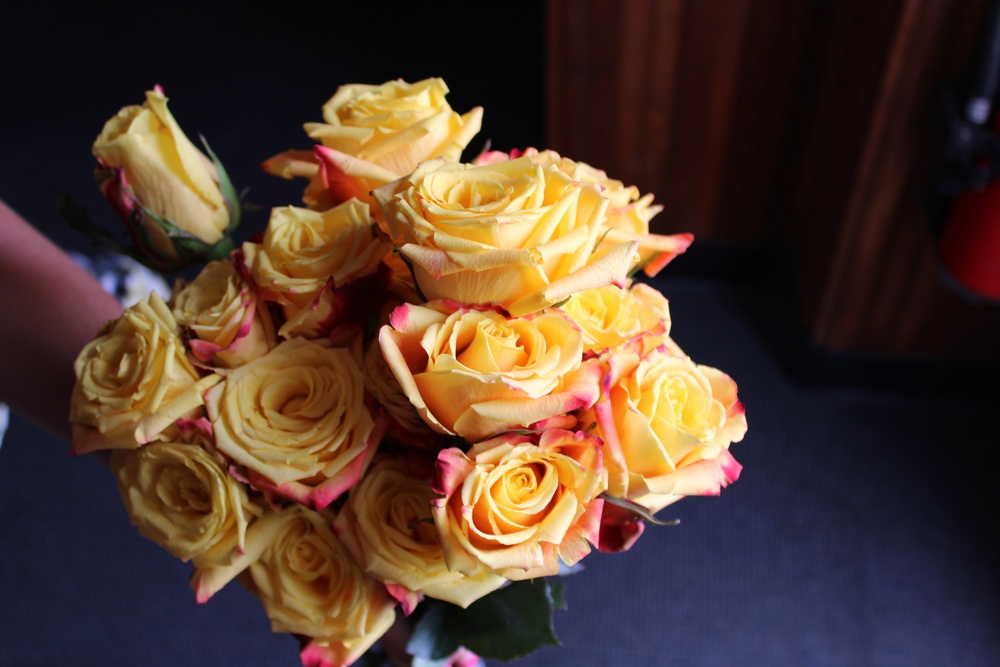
402,402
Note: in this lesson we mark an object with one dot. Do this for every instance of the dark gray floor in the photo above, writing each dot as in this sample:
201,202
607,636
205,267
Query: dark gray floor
863,531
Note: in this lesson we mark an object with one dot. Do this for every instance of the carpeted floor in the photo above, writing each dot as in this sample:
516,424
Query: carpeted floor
863,531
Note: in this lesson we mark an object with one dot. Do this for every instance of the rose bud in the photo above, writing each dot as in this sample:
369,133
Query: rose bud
178,204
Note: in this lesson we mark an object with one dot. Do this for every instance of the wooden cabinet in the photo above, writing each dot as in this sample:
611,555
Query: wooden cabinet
815,127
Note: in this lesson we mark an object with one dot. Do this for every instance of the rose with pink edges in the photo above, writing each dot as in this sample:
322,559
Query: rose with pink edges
479,373
296,421
520,505
667,424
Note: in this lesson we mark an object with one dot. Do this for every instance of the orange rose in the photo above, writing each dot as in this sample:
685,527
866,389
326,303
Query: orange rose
477,373
520,504
667,424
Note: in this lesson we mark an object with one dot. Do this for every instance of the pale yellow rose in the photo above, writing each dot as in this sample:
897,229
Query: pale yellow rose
396,125
373,135
476,373
230,323
628,215
667,424
515,234
406,423
387,526
296,419
179,496
134,381
308,584
519,504
611,316
164,170
626,208
305,255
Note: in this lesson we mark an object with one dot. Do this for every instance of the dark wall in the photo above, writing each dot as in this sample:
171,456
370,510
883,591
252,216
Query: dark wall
814,129
246,79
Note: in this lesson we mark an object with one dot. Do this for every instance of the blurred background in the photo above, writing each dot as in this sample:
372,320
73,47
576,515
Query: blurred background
816,151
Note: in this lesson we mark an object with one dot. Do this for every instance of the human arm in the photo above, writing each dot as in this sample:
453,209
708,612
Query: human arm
51,309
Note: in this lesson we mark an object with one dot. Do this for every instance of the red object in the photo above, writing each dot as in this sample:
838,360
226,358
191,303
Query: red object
969,246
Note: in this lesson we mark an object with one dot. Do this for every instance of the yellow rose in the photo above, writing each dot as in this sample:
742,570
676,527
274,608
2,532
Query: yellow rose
180,497
134,381
518,504
514,234
308,584
667,424
373,135
396,125
165,172
296,419
406,424
626,209
611,316
305,255
387,526
231,325
476,373
628,215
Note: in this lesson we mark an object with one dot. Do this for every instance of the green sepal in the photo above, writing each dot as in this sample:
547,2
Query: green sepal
560,304
191,250
413,273
639,511
506,624
233,200
600,241
222,249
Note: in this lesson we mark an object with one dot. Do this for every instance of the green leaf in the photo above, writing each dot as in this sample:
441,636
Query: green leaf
222,249
506,624
558,595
